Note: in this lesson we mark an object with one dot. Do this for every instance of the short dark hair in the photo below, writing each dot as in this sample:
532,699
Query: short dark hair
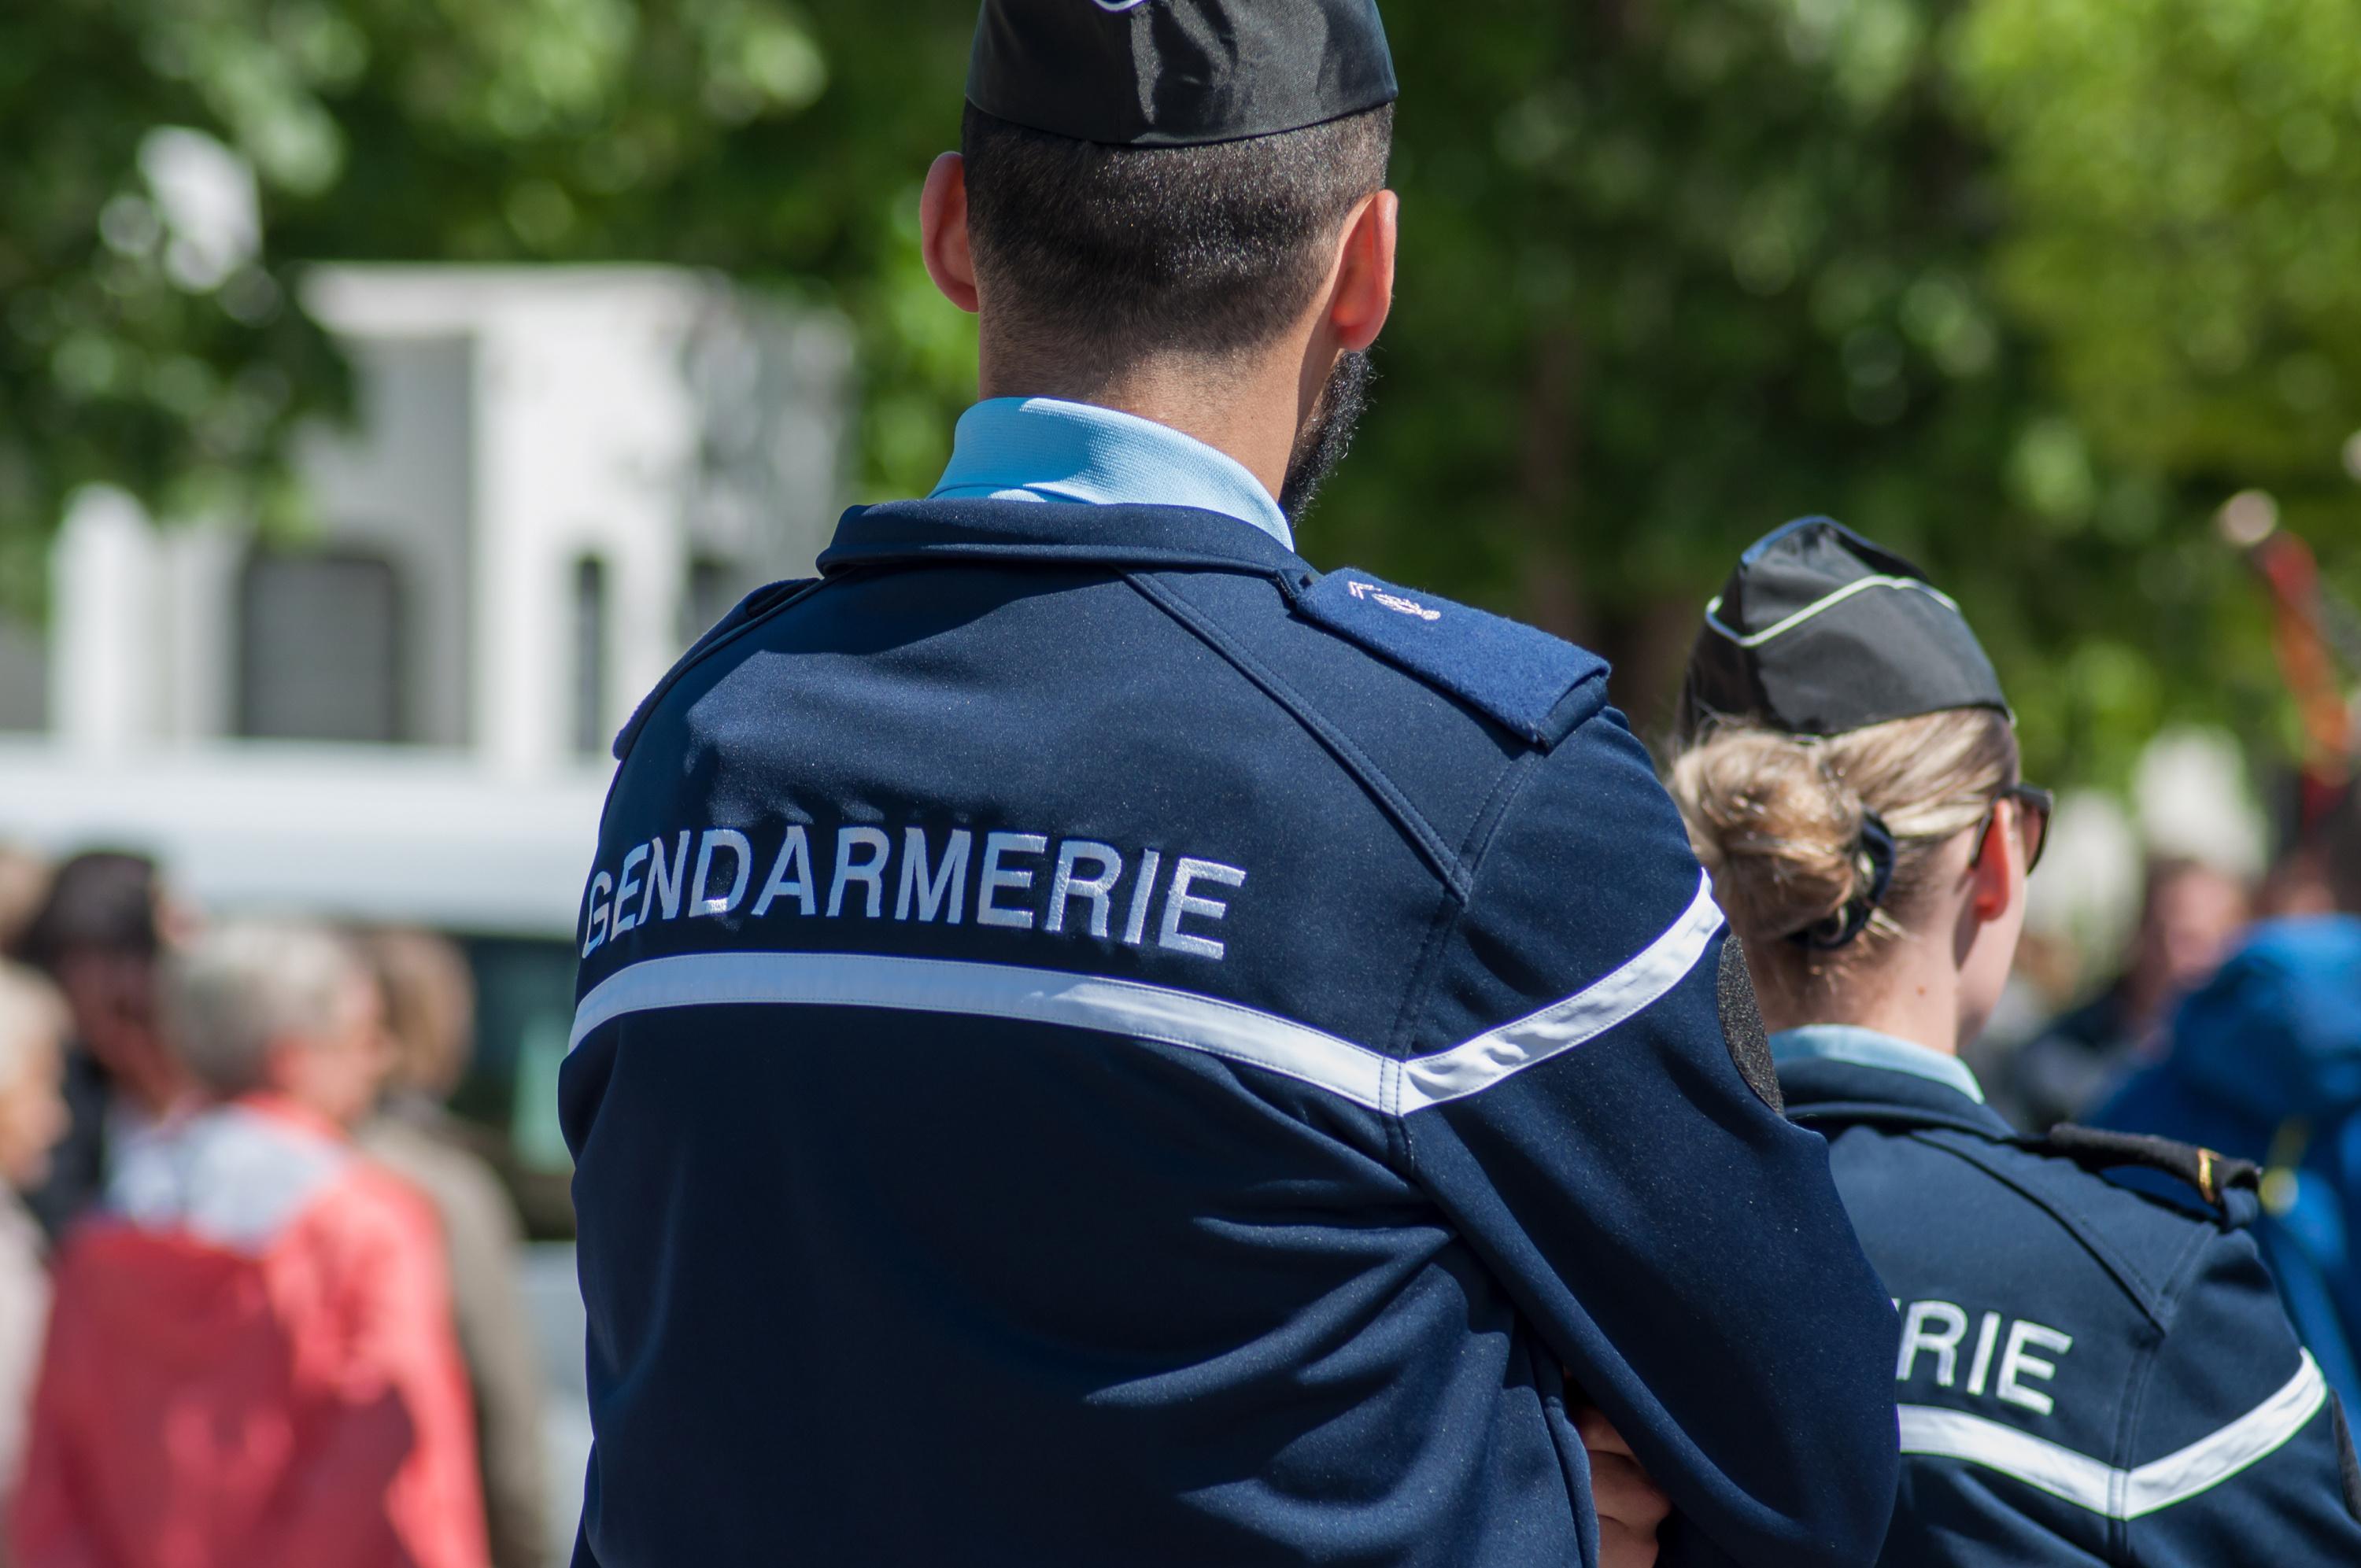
1209,249
102,900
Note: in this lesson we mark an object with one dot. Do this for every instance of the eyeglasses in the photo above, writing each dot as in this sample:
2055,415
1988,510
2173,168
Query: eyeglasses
2033,805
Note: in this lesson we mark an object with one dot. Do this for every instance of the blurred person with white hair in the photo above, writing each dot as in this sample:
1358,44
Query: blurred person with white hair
250,1363
430,1016
33,1026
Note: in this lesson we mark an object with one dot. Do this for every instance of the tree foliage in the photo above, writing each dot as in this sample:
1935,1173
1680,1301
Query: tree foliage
2021,286
2183,239
741,135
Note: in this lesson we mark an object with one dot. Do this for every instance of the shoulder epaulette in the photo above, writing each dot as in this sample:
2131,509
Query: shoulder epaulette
2217,1177
748,610
1538,686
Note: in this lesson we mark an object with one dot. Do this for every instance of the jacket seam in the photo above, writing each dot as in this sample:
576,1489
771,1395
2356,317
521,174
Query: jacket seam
1365,771
2134,1280
2179,1280
2182,1276
2135,1409
1506,792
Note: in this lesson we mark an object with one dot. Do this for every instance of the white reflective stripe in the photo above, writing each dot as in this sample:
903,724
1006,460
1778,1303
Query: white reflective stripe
990,991
1154,1013
2209,1461
2037,1461
2100,1487
1789,623
1475,1065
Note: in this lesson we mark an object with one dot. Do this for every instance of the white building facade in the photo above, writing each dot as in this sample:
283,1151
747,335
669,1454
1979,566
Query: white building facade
557,478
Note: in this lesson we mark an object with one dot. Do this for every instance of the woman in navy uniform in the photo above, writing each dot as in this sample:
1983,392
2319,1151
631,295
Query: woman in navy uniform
2086,1374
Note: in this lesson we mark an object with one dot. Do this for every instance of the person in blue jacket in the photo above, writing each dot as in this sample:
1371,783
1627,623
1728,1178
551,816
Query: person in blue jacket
2264,1062
2086,1374
1099,1043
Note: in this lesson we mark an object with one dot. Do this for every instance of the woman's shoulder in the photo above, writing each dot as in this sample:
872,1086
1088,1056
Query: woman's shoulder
2141,1214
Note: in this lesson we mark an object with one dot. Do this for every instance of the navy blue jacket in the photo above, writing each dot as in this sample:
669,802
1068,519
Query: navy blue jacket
1098,1044
2087,1375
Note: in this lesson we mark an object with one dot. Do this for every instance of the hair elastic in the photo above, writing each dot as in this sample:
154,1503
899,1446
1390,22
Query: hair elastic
1876,846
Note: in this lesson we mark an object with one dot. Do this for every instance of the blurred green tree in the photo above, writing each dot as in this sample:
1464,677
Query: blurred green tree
130,352
140,348
2180,178
1676,271
2020,286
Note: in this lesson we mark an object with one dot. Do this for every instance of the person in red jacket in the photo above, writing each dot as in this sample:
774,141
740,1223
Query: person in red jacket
251,1362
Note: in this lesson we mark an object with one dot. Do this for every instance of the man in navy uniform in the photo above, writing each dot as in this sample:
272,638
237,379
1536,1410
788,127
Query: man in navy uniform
1100,1044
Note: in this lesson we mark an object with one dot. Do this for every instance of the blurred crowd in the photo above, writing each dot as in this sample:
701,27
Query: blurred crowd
258,1292
2192,914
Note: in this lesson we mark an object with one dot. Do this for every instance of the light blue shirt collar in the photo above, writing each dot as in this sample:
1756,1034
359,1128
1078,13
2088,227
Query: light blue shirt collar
1041,449
1866,1047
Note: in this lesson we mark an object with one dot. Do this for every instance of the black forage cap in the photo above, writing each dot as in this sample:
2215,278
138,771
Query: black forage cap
1819,631
1178,72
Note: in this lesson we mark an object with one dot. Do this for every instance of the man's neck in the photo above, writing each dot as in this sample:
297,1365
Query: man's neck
1245,408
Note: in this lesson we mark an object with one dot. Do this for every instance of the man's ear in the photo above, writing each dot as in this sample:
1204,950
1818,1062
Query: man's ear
1363,293
942,231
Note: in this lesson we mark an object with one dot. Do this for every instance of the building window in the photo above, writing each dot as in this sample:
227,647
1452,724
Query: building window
319,647
24,676
590,711
714,587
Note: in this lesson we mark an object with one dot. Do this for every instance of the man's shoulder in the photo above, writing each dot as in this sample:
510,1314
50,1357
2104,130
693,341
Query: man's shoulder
747,613
1454,718
1428,700
1536,686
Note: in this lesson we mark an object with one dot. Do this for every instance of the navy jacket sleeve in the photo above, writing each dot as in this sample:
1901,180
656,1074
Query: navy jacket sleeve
2239,1455
1675,1240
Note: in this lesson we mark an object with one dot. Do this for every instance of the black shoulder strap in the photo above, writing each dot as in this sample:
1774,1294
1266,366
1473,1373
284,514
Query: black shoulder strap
2218,1179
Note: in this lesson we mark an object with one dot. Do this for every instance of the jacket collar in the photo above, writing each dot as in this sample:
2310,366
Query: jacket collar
908,533
1823,1091
1049,449
1872,1048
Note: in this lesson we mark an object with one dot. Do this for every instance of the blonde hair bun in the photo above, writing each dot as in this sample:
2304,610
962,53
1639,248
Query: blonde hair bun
1778,819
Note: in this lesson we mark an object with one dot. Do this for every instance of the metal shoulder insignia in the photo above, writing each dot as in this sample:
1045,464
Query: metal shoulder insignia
2228,1185
1539,686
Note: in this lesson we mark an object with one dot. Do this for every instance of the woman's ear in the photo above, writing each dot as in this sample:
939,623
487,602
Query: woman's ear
1994,880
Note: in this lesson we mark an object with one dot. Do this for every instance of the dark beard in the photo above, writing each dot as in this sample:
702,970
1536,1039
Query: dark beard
1326,436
